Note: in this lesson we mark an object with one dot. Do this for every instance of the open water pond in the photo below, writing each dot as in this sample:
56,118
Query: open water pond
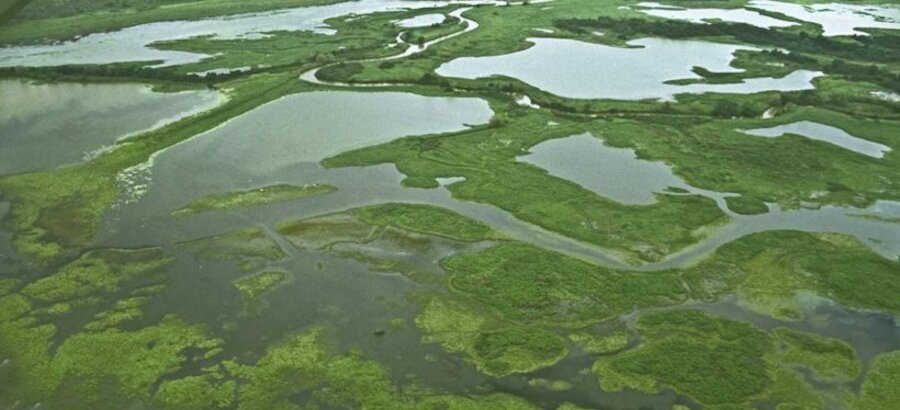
576,69
837,19
615,173
43,126
703,15
423,20
826,133
133,43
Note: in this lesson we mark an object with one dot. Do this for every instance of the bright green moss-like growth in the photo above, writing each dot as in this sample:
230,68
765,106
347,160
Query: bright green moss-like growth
254,197
601,343
304,363
518,349
530,284
494,347
769,269
724,363
102,271
712,360
252,287
195,392
829,359
881,388
125,310
129,362
425,219
103,369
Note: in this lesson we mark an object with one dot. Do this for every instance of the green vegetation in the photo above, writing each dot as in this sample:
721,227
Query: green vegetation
746,206
879,389
366,224
10,8
492,346
248,243
602,343
254,197
58,24
533,285
506,307
829,359
768,270
66,212
486,158
119,373
426,219
324,231
720,362
97,271
195,392
252,287
713,361
303,362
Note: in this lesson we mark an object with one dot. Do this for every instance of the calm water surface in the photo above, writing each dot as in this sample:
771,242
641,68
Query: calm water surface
423,20
48,125
703,15
132,43
576,69
825,133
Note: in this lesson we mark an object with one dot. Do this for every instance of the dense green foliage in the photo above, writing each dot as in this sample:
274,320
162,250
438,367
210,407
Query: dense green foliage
529,284
879,390
720,362
37,9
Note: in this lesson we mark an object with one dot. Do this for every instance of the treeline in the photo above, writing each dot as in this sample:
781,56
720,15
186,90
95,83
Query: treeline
866,48
38,9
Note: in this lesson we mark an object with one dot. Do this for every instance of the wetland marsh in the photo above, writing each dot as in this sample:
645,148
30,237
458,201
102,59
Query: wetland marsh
392,204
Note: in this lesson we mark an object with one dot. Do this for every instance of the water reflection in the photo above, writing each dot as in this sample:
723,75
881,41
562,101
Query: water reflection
43,126
576,69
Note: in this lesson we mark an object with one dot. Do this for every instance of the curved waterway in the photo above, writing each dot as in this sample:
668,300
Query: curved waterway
135,43
469,25
44,126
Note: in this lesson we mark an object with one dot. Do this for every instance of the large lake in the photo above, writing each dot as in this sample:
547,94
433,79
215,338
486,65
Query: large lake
576,69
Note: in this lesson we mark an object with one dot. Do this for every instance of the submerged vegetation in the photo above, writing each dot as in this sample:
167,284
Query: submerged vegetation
473,279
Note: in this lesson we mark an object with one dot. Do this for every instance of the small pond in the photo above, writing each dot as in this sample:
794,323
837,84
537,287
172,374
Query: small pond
423,20
825,133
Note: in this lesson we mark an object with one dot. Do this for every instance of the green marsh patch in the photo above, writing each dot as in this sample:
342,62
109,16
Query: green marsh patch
254,197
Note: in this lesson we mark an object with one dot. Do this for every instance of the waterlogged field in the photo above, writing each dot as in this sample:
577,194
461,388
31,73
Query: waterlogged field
385,204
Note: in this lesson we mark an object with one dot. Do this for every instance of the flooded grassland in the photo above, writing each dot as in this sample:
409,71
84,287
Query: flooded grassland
431,205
